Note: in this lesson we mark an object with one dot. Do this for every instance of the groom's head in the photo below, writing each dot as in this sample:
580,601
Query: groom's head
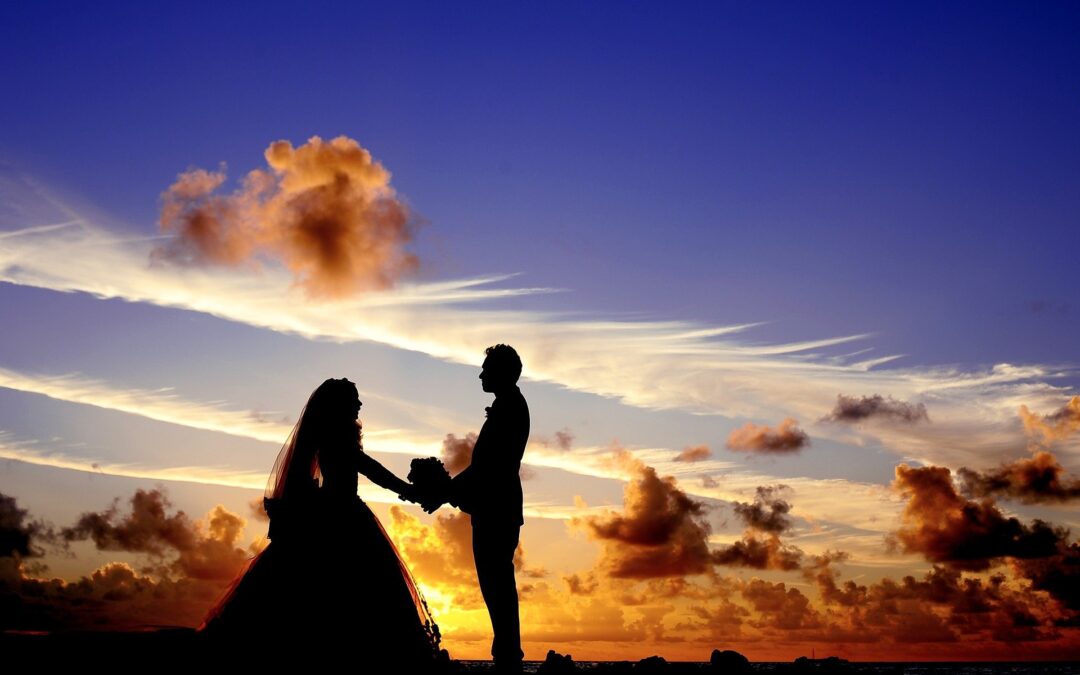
501,369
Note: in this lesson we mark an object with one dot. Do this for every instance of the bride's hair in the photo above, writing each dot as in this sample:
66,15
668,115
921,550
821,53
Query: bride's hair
329,412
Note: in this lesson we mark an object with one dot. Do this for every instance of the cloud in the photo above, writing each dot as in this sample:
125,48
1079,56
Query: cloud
325,210
1058,575
18,535
457,452
767,513
693,453
190,562
440,557
941,606
759,553
1037,480
785,438
780,607
561,440
581,584
204,550
161,405
947,528
660,531
112,597
1057,426
651,364
851,409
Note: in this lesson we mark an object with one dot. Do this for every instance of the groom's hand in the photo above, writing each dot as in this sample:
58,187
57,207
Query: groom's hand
433,505
431,501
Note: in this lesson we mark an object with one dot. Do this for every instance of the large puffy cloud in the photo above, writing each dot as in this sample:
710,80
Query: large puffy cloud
1035,480
786,437
852,409
660,532
325,210
945,527
204,550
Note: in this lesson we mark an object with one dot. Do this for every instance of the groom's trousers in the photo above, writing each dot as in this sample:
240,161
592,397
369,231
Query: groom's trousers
493,549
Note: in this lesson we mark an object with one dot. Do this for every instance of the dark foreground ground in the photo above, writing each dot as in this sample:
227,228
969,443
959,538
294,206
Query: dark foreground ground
180,650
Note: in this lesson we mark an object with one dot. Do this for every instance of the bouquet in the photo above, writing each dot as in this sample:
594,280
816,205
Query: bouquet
432,481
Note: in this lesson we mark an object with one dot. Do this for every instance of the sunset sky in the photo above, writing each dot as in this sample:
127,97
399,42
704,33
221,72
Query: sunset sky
794,286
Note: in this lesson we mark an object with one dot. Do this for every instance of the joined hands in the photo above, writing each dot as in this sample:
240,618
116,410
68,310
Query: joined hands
427,500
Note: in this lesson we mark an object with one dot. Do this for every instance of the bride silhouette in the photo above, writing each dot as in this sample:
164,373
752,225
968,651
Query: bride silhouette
330,582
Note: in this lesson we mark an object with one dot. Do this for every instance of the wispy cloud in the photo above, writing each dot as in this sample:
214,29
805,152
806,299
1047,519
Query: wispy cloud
164,405
34,453
650,364
161,405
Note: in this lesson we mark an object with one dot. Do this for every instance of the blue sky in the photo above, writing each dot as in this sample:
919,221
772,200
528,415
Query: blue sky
909,172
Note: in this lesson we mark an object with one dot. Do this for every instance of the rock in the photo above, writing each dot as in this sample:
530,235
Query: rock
652,664
728,661
557,664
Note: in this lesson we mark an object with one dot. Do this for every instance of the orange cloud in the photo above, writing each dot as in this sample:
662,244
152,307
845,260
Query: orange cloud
439,554
761,553
693,453
457,452
779,607
660,532
943,606
1038,480
204,550
190,562
1058,575
947,528
1056,426
787,437
325,210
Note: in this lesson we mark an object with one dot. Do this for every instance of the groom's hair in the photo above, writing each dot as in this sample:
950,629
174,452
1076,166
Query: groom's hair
504,359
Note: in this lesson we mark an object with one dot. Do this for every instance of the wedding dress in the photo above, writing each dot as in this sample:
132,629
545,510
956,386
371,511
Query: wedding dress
330,581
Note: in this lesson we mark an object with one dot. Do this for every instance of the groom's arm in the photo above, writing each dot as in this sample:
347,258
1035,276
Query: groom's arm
462,487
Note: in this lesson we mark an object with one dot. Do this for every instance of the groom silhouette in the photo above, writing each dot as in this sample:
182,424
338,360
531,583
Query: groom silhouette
489,490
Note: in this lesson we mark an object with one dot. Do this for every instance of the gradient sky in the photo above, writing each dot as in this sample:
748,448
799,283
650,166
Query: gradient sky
600,184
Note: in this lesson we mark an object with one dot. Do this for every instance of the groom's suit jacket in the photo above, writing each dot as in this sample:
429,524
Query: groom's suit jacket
489,489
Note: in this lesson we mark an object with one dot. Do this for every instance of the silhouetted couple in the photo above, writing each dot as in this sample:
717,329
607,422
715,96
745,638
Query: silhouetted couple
330,583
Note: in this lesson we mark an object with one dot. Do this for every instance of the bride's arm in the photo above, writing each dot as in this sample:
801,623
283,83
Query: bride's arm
380,475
